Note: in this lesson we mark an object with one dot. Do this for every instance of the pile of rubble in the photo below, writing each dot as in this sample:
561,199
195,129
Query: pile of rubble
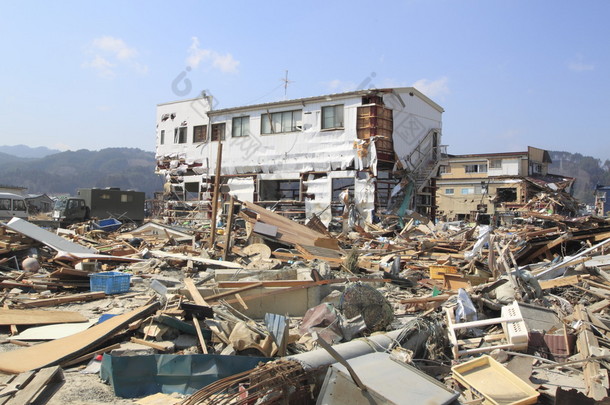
265,310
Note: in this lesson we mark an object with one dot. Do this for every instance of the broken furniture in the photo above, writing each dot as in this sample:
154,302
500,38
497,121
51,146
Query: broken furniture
513,326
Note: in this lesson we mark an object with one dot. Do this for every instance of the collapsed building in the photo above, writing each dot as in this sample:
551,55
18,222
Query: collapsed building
501,186
373,150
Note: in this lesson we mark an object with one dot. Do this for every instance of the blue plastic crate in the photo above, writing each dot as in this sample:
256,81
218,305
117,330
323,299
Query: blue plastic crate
111,282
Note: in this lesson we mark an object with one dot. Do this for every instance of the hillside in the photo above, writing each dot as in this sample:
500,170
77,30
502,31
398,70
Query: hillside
64,172
587,170
24,151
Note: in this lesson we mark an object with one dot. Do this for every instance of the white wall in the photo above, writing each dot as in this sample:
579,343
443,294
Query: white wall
510,167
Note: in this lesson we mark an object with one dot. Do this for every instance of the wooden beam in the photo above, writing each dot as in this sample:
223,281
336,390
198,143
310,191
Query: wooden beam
216,196
593,373
200,335
49,302
195,294
235,291
228,228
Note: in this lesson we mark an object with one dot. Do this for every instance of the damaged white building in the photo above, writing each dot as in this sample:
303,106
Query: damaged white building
301,156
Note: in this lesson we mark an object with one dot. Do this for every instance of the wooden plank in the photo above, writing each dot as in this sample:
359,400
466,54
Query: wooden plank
235,291
598,306
49,302
216,195
195,294
297,283
64,349
202,260
241,301
38,317
559,282
204,348
35,387
155,346
593,373
91,355
557,241
228,229
288,230
17,383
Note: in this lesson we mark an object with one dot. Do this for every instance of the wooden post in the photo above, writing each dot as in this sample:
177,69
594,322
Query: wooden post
215,196
228,228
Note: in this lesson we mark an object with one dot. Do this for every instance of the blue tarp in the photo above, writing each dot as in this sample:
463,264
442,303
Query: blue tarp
137,376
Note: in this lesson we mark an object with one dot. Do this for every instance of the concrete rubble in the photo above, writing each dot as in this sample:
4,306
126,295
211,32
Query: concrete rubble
268,310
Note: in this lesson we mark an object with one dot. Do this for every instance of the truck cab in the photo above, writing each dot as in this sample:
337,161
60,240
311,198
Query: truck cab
70,210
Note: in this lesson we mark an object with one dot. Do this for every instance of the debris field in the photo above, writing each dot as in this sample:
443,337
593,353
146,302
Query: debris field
263,309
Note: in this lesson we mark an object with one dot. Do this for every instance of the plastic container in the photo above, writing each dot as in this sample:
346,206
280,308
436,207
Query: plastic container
495,382
111,282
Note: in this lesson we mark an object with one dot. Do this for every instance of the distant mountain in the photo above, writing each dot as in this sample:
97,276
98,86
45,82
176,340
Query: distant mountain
588,171
64,172
24,151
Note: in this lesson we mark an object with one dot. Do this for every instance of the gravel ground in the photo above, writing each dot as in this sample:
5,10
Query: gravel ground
88,389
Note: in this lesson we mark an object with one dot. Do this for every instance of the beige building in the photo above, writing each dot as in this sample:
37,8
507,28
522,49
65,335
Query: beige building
480,187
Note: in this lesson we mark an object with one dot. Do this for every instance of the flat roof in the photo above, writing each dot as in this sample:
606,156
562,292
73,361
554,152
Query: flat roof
482,155
328,97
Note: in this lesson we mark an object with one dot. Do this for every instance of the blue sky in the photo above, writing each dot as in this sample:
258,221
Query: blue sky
508,73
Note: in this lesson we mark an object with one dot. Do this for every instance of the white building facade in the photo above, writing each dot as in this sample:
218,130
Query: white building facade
300,155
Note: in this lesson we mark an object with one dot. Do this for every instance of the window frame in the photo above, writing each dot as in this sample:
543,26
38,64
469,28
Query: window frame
234,126
270,120
180,135
203,136
162,137
215,134
447,191
335,125
475,168
495,163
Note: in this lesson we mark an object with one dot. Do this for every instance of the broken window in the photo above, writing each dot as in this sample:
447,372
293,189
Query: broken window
449,191
218,132
476,168
536,168
495,163
275,190
341,184
240,127
285,121
5,203
162,137
332,117
506,195
180,135
444,169
200,133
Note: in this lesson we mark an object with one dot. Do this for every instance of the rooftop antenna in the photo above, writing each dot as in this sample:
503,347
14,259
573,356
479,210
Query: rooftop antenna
286,82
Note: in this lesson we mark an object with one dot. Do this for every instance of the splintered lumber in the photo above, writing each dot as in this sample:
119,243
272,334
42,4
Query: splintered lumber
195,294
49,302
216,194
235,291
593,373
559,282
36,387
64,349
203,260
200,335
38,317
289,231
